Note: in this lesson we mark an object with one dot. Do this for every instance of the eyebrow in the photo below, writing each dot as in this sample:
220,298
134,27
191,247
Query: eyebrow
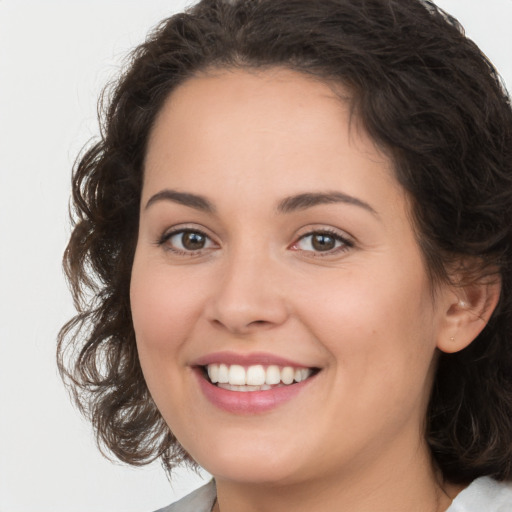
287,205
191,200
308,200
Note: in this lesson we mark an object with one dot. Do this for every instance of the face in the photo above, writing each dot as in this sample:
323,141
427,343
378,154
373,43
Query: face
276,253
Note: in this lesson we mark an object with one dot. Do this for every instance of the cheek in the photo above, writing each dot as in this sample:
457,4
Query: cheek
164,312
369,304
376,324
164,309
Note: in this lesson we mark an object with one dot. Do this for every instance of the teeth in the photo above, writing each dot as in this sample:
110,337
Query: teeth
237,375
256,375
273,375
254,378
244,389
223,374
287,374
213,373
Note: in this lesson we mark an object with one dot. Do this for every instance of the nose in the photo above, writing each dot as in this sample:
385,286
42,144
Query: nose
248,296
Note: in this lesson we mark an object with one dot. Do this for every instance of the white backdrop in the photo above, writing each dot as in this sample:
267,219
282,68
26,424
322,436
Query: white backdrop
55,56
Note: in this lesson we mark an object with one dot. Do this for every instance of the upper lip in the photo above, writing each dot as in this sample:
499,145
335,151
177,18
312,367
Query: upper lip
249,359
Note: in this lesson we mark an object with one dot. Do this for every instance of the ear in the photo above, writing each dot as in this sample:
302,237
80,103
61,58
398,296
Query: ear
467,309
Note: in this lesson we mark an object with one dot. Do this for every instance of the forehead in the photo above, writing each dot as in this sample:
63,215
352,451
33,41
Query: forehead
263,115
260,136
253,101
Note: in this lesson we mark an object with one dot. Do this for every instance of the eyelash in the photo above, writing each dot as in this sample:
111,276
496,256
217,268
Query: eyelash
345,244
166,237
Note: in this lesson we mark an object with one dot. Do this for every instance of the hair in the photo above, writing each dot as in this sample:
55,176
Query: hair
424,93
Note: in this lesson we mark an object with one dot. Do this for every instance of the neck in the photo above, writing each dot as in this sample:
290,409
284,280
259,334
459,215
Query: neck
412,485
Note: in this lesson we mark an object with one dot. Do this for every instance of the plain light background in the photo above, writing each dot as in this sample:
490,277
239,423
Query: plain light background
55,57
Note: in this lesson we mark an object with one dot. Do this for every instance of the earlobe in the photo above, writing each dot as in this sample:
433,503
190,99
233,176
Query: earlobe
468,312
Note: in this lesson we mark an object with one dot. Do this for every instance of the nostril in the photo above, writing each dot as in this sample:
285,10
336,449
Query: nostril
257,324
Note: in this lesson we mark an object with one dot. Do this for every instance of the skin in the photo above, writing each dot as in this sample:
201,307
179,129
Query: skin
363,313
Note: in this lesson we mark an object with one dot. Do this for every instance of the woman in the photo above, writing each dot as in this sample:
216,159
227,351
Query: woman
297,232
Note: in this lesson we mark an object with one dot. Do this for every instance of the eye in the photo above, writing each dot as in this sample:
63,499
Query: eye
322,242
186,241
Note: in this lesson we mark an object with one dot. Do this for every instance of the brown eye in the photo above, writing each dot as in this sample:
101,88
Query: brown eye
184,241
323,242
193,241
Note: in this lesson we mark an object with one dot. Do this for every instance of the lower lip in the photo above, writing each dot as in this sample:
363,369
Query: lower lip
250,402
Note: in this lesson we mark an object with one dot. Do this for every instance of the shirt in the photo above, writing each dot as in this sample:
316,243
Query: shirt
482,495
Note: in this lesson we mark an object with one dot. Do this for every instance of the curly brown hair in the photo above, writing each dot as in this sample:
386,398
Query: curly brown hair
425,94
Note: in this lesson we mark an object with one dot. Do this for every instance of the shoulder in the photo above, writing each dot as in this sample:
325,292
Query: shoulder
200,500
484,494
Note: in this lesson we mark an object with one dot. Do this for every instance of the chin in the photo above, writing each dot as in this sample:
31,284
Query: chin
252,463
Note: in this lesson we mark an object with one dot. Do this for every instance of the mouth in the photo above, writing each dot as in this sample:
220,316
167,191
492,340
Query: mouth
235,377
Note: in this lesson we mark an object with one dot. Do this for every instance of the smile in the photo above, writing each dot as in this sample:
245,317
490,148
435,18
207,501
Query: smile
251,383
235,377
